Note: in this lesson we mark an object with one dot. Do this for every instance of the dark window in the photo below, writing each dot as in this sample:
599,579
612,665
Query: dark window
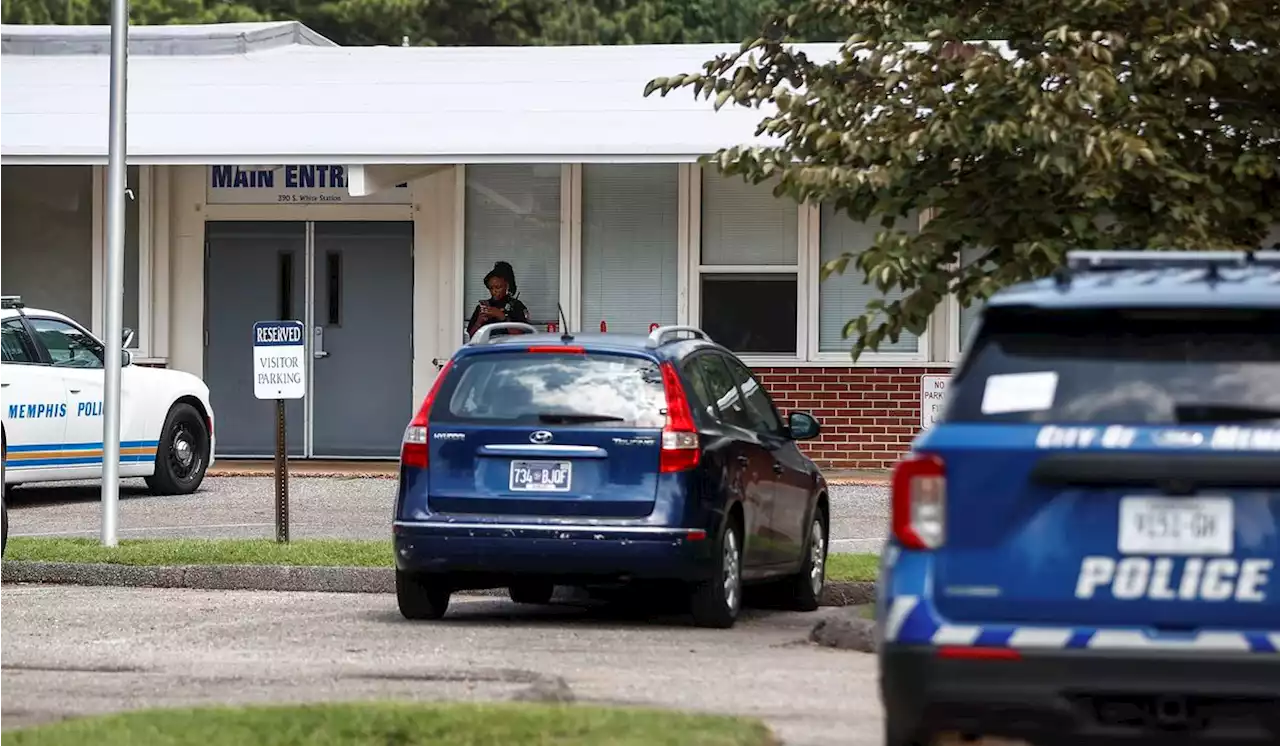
1119,366
704,402
723,394
333,272
68,346
550,389
751,313
18,347
286,285
764,418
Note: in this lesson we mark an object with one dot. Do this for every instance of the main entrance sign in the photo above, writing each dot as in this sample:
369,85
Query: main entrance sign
290,185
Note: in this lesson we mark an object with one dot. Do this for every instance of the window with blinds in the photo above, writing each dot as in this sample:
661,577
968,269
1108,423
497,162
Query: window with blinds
748,266
513,215
630,245
845,296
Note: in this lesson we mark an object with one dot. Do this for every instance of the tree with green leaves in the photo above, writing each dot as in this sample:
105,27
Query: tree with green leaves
1094,124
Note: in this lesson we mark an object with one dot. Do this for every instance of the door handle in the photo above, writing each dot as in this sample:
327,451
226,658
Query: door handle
317,346
777,468
74,391
744,460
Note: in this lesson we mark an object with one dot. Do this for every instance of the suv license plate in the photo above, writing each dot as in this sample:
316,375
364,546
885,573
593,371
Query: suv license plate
1177,525
541,476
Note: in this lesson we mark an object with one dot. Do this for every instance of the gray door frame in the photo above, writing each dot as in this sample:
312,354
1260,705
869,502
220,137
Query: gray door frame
308,320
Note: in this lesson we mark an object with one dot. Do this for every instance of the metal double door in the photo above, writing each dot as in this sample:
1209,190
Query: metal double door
351,284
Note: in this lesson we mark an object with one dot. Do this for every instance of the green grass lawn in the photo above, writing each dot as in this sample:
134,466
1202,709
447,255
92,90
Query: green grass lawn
307,552
395,724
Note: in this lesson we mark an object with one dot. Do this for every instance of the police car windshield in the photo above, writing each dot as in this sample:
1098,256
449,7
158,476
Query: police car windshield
520,388
1117,366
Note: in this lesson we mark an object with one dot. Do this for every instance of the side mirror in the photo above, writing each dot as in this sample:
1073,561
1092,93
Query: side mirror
126,358
803,426
128,337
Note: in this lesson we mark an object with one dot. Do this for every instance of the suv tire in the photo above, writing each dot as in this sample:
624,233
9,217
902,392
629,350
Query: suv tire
715,602
421,595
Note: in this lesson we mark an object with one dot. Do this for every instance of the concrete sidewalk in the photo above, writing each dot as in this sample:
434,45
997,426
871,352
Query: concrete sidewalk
387,470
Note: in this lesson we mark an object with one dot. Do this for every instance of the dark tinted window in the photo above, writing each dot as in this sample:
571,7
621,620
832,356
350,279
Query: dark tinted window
703,401
764,418
17,343
546,389
68,346
722,395
1136,367
750,313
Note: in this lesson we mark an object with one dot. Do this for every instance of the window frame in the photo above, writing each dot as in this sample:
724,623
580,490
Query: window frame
932,350
693,286
145,346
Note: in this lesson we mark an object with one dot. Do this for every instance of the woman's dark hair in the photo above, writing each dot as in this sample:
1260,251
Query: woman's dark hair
503,270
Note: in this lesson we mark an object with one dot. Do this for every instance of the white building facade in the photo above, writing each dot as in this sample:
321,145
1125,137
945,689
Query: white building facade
366,192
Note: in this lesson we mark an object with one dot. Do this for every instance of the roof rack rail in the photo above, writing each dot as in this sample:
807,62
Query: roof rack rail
658,336
483,334
1154,259
11,301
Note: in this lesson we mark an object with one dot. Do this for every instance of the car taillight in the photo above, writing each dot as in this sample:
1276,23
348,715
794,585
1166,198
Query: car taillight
920,501
681,450
413,449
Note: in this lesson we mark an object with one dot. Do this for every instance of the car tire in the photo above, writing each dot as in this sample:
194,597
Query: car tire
715,603
537,592
4,506
894,736
183,453
421,595
804,589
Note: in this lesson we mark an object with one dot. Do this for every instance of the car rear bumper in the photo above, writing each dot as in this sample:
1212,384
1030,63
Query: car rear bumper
485,554
1076,697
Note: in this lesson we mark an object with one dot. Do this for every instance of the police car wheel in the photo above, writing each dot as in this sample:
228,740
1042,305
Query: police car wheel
183,453
715,602
421,596
804,589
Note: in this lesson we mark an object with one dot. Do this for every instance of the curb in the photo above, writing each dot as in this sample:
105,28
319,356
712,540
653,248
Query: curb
281,578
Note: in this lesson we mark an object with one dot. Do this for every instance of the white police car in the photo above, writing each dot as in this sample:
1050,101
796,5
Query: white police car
52,402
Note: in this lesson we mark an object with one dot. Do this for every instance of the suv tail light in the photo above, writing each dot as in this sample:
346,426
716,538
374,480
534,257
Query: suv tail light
681,449
920,501
413,449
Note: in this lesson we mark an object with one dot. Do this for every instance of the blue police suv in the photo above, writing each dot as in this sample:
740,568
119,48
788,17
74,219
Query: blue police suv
539,460
1084,548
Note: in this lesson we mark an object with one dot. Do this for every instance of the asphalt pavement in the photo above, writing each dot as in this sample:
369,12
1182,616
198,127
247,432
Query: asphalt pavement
319,507
72,650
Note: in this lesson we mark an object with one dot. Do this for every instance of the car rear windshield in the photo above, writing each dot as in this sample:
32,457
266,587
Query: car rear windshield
1121,366
598,390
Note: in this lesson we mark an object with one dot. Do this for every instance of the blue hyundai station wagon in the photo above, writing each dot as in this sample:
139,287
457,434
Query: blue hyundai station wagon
539,460
1084,548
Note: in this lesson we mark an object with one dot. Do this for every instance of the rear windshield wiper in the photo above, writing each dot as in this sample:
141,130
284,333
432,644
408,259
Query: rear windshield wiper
566,417
1210,412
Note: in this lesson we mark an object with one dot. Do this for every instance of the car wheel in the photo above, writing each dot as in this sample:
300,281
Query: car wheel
716,602
532,592
805,592
4,507
893,735
183,453
421,596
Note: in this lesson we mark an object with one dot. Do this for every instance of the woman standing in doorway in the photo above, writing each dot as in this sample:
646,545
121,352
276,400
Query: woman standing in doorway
502,303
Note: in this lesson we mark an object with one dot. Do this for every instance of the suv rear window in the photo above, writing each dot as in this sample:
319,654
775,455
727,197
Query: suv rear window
548,389
1149,366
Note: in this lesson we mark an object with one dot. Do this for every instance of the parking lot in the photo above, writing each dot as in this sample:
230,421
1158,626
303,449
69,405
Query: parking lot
347,508
77,650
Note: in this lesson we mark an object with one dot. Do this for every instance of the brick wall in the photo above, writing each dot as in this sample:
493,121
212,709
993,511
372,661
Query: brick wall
869,415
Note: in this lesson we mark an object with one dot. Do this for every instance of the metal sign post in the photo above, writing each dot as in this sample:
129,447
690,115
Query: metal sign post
279,373
113,298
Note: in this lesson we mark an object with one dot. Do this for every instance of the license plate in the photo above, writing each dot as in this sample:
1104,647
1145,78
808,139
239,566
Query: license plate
1178,525
541,476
